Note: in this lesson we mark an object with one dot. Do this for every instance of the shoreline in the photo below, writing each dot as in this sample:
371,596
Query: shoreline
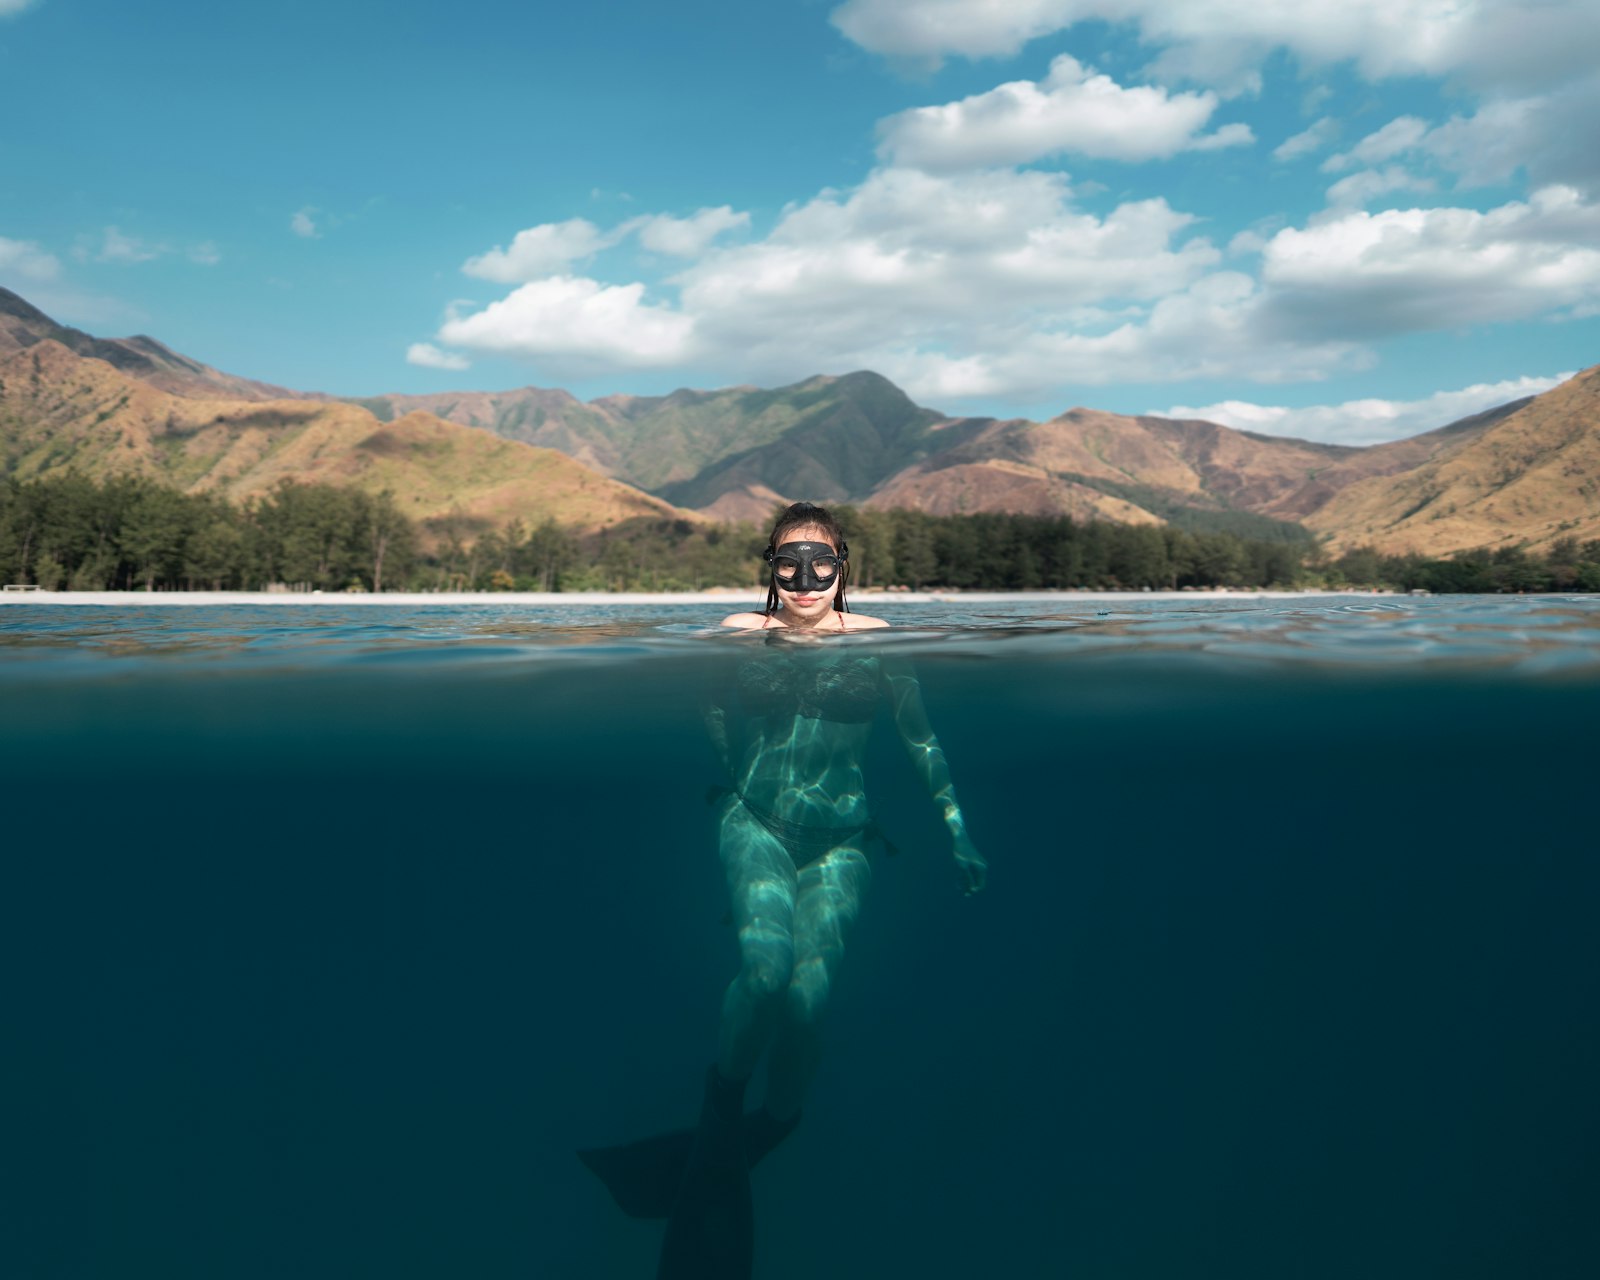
578,599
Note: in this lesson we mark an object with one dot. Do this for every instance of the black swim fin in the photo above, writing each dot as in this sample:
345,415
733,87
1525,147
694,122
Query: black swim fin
643,1177
711,1231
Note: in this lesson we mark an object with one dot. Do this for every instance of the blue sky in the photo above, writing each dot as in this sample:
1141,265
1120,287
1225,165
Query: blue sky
1347,224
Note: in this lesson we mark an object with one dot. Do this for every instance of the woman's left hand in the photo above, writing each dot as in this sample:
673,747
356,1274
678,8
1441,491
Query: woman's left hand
971,868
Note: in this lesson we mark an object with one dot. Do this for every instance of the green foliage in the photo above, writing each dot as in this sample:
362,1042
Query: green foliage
131,534
1192,519
1568,566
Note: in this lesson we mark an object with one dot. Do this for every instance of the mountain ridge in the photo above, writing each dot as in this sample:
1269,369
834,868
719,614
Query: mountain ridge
738,452
62,411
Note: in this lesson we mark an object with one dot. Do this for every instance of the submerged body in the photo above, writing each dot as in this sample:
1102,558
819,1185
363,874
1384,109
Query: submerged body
793,833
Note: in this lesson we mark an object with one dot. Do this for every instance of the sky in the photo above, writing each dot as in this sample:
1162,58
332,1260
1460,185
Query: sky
1346,223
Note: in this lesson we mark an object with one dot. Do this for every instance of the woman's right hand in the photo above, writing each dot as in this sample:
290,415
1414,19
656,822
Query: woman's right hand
972,869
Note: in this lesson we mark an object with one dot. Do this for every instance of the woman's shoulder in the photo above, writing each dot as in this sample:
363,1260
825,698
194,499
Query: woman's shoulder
861,622
745,621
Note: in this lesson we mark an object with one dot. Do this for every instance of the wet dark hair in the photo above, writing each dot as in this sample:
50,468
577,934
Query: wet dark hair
806,515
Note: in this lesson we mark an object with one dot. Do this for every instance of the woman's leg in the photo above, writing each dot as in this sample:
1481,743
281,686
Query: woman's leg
829,899
762,887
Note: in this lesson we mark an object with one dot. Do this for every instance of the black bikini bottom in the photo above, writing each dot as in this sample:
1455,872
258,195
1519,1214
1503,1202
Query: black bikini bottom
805,842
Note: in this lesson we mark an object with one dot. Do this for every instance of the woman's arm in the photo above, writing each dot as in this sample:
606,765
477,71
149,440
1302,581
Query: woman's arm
716,717
927,757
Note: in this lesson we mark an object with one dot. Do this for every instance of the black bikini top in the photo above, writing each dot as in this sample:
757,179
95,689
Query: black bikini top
841,689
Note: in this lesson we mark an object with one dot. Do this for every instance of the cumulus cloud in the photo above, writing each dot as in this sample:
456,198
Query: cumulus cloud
26,261
1394,139
1362,188
1072,110
995,283
1307,141
934,28
1208,330
304,224
428,356
1503,135
552,248
575,324
910,260
688,237
1361,422
1367,275
954,285
539,251
1489,43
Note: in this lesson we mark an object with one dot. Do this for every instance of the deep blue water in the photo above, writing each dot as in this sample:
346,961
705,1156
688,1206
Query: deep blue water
331,932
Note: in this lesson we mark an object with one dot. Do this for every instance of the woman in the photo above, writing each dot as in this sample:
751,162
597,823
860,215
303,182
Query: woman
794,832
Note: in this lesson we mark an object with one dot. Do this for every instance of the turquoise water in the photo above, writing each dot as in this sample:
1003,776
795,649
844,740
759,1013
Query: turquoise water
331,932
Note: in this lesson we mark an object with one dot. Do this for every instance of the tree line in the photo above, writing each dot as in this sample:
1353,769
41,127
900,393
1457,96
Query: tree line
130,534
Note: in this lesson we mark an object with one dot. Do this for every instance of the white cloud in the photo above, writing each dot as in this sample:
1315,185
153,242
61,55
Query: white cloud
117,247
539,251
1315,138
205,254
304,224
688,237
1541,134
1488,42
899,273
994,283
1209,330
1366,275
916,259
1362,188
1071,110
933,28
962,277
9,7
553,247
25,260
1400,135
1362,422
428,356
573,324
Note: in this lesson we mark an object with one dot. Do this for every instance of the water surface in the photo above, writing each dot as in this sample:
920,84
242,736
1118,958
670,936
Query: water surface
332,931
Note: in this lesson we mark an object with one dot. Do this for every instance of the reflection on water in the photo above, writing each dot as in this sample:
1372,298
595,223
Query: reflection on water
330,933
1532,633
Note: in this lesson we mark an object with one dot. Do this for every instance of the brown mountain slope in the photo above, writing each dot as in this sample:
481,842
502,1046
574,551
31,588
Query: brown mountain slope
1088,463
732,453
59,410
995,485
549,418
22,325
1528,477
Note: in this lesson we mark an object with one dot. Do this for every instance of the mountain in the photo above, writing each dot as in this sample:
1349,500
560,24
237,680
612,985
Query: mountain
60,410
1529,475
550,419
729,453
23,325
1087,463
1523,472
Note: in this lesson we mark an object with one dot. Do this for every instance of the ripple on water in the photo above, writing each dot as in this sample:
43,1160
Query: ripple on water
1527,635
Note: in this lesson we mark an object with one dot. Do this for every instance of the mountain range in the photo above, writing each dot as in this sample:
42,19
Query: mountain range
1527,472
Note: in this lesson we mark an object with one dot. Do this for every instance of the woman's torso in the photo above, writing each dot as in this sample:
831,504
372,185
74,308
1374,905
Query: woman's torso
803,715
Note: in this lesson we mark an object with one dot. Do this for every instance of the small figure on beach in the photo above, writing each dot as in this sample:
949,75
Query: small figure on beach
794,835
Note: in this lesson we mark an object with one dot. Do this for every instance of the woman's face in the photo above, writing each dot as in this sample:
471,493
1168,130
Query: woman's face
807,607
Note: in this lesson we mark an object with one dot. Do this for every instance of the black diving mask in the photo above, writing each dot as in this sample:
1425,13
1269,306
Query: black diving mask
804,566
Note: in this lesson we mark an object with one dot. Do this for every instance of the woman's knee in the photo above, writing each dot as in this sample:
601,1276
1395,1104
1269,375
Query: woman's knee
807,994
766,968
